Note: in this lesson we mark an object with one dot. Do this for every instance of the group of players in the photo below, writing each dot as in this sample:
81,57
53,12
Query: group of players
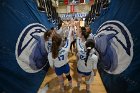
58,49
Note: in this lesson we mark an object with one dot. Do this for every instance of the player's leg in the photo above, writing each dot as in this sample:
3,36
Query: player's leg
87,84
59,73
79,79
67,73
68,76
61,82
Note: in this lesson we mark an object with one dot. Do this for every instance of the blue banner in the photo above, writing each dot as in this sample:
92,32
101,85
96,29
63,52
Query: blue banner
21,28
118,42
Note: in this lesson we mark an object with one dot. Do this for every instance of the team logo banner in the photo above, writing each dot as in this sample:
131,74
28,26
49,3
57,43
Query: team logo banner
30,48
115,45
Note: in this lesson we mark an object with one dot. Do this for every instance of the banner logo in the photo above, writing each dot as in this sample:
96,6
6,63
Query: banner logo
115,44
30,48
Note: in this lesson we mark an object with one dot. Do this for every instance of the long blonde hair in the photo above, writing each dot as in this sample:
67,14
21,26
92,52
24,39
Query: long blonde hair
56,42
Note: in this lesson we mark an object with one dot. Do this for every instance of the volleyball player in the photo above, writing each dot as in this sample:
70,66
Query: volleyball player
58,58
87,61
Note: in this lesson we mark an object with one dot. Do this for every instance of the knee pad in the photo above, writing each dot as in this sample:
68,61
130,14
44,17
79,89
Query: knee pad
68,77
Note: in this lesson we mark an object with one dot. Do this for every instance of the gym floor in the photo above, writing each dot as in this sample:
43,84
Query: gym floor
52,81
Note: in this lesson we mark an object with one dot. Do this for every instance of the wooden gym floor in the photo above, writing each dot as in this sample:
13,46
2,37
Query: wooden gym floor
52,81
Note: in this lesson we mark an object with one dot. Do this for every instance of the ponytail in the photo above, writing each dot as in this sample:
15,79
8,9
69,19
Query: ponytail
90,43
56,41
54,50
87,54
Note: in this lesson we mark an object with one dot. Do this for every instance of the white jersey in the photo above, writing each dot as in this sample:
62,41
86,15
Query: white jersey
91,36
62,58
92,58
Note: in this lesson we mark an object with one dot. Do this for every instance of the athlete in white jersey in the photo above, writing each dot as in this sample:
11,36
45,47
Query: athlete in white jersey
82,53
87,61
58,58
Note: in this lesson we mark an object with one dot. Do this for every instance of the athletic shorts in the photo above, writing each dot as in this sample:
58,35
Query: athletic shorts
83,73
64,69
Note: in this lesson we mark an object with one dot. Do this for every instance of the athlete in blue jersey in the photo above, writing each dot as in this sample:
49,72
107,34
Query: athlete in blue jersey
87,61
58,58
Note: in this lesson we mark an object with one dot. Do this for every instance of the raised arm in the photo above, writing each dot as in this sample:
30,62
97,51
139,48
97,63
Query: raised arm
69,39
78,29
79,44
